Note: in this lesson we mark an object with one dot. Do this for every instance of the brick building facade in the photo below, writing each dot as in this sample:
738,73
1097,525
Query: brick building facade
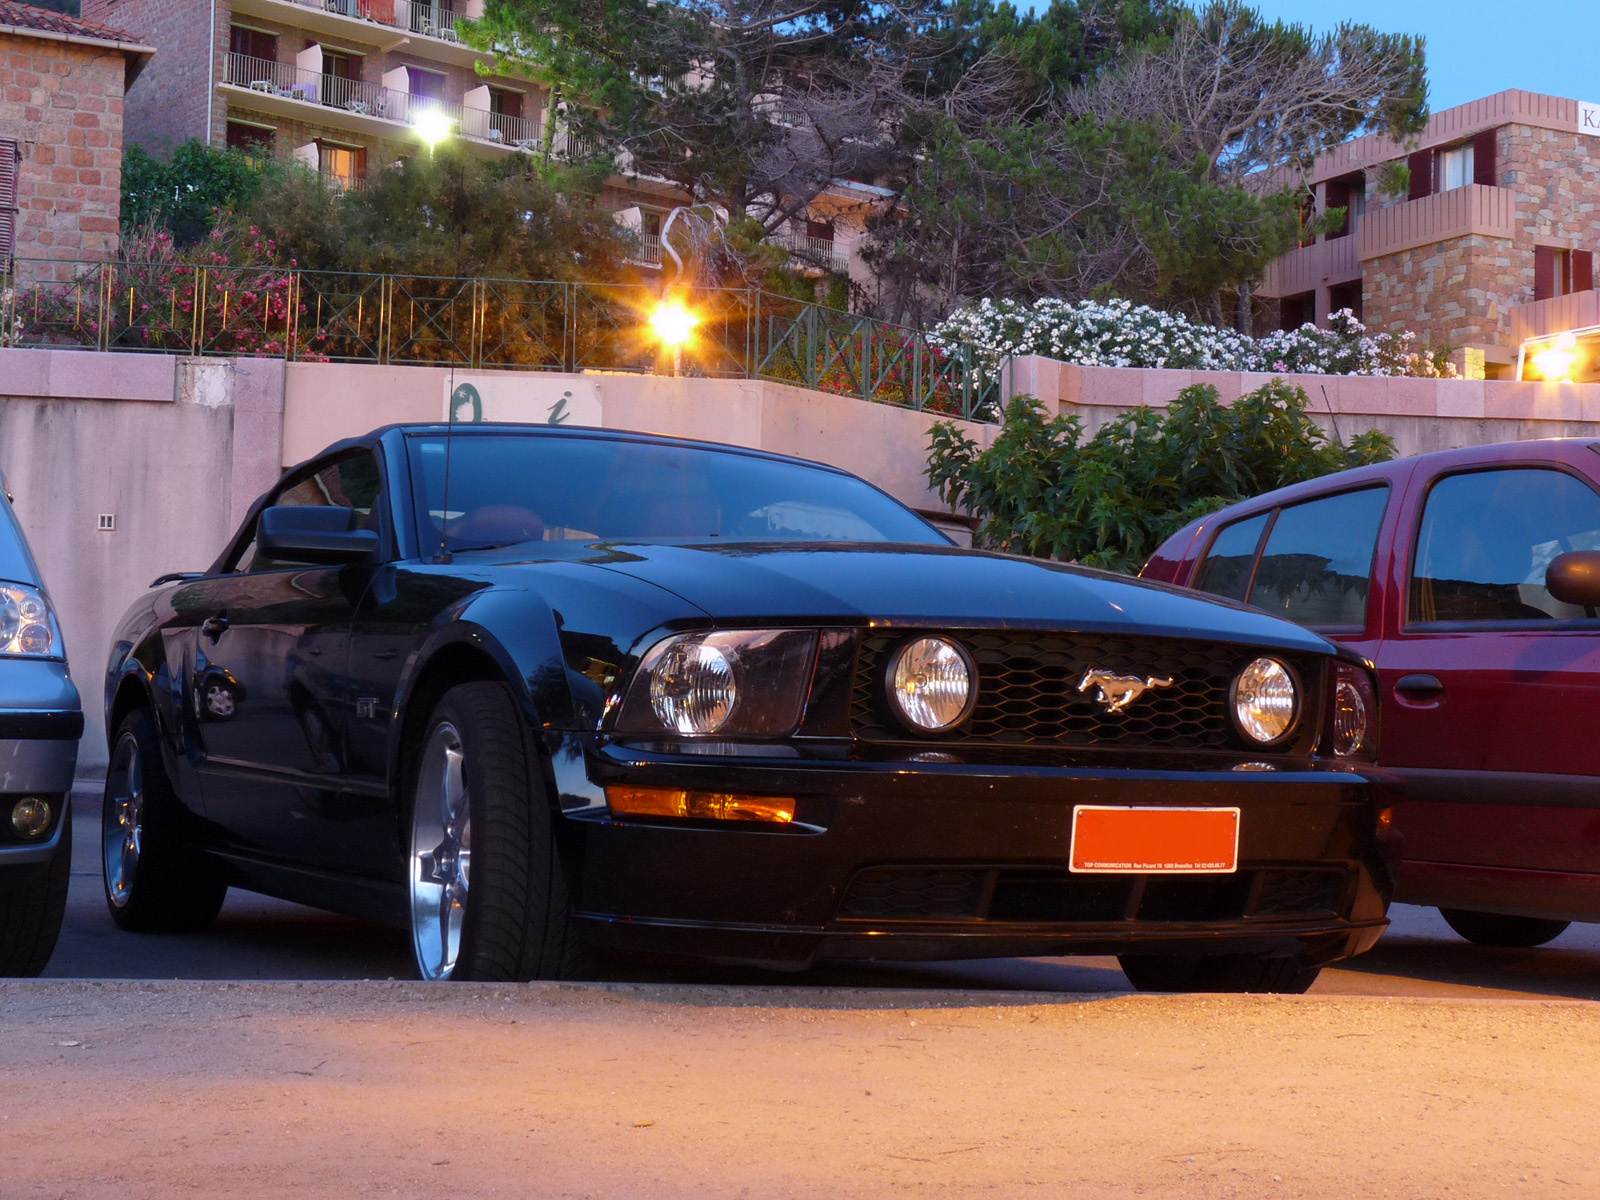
61,116
1501,213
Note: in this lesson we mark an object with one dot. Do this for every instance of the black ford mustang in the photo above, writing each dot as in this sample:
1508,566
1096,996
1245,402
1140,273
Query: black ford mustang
537,693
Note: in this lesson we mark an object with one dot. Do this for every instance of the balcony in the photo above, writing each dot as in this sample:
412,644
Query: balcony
1324,264
368,108
1460,212
427,29
824,253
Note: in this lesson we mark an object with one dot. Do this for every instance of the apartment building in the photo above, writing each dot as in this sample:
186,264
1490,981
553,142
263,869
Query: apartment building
348,87
1499,216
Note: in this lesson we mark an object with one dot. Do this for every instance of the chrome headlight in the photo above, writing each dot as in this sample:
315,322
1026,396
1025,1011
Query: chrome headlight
27,626
1266,701
932,684
743,682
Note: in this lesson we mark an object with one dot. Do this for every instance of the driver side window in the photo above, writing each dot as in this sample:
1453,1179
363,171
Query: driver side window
353,481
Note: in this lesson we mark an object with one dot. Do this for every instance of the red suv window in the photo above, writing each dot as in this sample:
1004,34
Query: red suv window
1486,539
1316,565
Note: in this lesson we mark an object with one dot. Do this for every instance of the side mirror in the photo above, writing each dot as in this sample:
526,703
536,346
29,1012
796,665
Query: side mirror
314,534
1574,578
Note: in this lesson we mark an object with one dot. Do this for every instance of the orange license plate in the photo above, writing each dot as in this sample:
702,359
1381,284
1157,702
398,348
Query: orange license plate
1155,841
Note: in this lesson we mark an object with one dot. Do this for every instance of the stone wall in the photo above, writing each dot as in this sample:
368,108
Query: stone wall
63,103
1452,293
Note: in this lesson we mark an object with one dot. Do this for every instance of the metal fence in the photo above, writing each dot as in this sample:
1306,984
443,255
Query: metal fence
324,316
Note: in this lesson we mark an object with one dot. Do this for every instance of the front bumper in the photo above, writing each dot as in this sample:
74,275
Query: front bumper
924,860
41,723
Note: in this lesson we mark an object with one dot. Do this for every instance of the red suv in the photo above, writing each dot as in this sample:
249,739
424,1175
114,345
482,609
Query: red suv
1472,579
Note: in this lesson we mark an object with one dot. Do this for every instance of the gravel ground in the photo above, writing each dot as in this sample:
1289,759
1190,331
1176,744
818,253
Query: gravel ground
648,1091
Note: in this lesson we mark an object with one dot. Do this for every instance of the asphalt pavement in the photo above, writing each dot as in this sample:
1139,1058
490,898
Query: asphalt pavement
257,938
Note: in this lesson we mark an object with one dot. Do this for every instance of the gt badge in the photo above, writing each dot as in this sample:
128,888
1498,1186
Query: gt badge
1116,692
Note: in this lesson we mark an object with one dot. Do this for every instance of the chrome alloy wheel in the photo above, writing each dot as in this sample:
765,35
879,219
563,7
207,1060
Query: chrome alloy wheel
441,854
122,820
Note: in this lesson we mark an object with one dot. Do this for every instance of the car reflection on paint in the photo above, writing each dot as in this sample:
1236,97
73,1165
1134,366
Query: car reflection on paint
543,694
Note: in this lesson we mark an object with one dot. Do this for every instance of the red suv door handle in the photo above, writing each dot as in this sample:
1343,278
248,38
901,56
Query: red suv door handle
1421,686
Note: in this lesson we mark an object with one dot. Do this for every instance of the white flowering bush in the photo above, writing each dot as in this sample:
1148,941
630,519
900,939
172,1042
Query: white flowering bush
1118,333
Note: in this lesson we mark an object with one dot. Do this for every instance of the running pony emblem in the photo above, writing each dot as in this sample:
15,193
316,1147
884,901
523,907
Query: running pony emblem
1116,692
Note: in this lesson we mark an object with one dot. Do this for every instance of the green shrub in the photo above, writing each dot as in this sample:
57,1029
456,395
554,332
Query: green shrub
1041,489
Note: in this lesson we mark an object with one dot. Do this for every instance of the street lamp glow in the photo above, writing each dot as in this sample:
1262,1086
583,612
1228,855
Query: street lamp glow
433,127
1557,362
674,324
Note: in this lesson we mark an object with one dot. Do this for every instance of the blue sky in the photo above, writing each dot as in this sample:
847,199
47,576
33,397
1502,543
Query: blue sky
1477,48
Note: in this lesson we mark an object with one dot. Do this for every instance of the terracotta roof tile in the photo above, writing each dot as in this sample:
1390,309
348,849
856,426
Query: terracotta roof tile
26,16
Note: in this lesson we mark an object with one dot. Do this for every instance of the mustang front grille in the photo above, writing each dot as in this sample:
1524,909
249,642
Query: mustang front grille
1028,691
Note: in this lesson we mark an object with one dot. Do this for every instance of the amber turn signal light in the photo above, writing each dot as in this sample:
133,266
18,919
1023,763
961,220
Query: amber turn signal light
1385,819
712,806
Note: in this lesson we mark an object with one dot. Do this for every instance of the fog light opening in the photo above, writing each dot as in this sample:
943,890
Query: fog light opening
32,816
705,806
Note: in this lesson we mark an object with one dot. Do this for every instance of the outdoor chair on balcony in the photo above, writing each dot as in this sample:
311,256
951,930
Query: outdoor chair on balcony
360,107
301,91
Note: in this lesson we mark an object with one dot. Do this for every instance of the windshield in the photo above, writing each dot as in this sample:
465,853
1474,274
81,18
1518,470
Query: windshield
15,562
513,488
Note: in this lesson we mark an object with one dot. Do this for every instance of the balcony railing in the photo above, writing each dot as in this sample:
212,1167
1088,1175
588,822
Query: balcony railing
823,252
531,325
290,82
412,16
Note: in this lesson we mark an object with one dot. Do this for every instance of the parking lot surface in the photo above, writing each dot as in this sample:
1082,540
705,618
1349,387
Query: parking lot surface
247,1061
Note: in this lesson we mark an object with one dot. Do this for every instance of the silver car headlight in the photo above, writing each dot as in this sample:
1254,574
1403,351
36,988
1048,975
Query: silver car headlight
1266,701
932,684
733,683
27,625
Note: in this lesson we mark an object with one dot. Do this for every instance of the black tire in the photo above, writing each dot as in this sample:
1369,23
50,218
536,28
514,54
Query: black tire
1217,973
166,885
1496,929
30,915
516,918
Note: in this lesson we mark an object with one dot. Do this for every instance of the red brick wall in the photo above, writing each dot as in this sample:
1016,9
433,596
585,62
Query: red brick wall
63,103
169,102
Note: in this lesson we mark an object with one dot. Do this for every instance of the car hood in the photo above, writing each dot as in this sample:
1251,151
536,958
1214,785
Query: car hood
935,586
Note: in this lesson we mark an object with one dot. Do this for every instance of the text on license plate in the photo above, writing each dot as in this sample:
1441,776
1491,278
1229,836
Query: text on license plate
1110,840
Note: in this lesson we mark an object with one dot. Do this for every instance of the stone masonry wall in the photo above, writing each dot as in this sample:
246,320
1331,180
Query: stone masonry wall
1451,293
1458,292
63,103
168,103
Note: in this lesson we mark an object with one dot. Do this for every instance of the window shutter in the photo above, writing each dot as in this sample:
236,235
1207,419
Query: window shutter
1583,270
1484,168
8,200
1421,164
1544,272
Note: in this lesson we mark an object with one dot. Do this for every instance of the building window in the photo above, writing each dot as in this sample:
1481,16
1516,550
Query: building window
341,80
1455,167
254,141
505,116
344,166
426,84
253,43
650,223
1350,194
1560,272
819,231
